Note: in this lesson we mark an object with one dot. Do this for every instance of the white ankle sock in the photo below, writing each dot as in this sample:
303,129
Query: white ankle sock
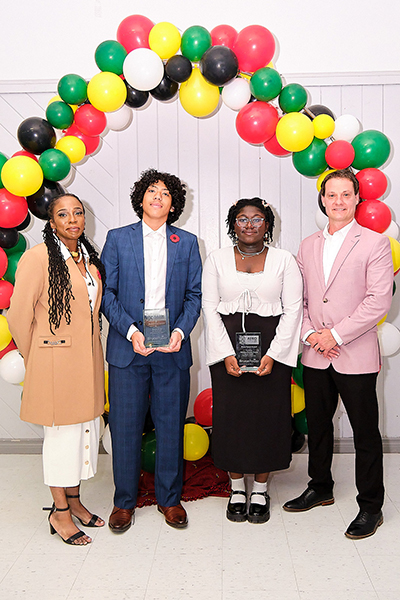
258,498
238,485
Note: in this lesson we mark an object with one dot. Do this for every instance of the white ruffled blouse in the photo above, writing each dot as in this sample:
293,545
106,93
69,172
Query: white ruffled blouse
278,291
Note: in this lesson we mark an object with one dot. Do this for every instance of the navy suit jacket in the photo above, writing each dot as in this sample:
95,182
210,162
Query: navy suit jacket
124,293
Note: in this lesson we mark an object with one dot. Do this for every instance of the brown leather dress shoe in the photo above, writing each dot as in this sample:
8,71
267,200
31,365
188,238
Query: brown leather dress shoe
121,519
175,516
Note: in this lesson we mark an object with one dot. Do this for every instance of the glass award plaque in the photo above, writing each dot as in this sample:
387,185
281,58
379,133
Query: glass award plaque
156,327
248,350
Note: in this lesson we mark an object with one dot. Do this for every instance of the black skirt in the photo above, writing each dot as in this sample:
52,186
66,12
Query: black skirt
251,414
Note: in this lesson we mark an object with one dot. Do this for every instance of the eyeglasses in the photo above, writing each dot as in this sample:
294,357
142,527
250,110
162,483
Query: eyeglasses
255,221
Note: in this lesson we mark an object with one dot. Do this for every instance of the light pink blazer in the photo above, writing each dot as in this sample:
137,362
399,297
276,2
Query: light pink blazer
358,294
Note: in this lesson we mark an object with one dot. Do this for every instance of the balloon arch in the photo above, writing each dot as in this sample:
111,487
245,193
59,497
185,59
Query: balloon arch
202,67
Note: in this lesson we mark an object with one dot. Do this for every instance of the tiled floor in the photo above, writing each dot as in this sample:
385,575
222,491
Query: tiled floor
292,557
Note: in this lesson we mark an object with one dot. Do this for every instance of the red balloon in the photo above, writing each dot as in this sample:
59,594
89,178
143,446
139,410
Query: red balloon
203,408
91,143
373,183
90,120
6,290
339,154
13,209
274,147
254,48
224,35
3,262
11,346
133,32
26,153
374,215
256,122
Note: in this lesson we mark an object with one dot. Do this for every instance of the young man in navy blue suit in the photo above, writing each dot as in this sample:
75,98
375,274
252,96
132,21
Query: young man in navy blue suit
150,265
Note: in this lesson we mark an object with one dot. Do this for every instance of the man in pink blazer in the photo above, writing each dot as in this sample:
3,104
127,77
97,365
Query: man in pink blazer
348,278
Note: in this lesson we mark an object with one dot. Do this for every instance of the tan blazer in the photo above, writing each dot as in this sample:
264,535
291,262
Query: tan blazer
64,381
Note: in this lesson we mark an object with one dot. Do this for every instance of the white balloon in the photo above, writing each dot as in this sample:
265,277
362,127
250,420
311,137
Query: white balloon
389,338
392,230
143,69
106,439
320,219
119,119
12,368
236,94
346,128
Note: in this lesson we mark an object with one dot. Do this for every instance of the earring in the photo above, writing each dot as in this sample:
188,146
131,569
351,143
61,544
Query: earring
54,230
172,209
235,238
141,204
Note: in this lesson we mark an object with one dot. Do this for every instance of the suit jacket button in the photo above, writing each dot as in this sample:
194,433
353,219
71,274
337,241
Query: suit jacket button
325,300
140,323
141,300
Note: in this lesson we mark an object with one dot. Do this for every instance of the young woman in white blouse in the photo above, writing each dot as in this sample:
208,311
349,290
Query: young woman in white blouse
255,288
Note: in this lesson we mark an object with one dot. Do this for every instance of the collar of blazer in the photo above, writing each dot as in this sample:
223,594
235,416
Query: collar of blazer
137,247
349,243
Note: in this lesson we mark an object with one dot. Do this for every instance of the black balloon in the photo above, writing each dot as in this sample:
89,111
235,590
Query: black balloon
219,65
165,90
135,98
317,109
178,68
24,224
36,135
39,202
8,237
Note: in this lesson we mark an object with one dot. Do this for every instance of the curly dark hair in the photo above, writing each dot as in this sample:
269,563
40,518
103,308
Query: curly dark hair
60,288
176,188
341,174
258,203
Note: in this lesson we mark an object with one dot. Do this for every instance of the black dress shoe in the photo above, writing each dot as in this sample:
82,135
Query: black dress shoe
364,525
308,499
236,511
259,513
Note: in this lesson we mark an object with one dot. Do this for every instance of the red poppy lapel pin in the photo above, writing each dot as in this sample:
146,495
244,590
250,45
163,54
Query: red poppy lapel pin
174,238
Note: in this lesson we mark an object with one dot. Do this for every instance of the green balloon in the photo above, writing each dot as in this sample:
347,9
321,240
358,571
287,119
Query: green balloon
60,115
195,41
110,56
55,164
149,452
72,89
311,161
372,149
293,98
19,247
265,84
3,160
297,373
13,259
300,422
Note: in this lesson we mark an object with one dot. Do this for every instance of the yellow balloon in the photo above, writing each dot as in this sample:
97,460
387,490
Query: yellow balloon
298,401
198,97
22,175
322,177
5,335
381,321
324,126
295,132
106,91
394,245
107,404
73,147
195,442
164,40
59,99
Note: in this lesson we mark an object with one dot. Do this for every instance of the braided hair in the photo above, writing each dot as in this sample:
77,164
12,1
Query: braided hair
60,287
262,206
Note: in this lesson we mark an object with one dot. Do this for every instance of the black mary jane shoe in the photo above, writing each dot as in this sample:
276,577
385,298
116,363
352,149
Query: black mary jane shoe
236,511
364,525
259,513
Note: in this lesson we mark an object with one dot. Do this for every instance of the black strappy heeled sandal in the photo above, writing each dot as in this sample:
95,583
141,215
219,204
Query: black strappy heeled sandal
92,522
71,540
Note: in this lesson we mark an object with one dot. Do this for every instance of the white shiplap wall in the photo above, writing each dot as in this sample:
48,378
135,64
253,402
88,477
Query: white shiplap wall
218,168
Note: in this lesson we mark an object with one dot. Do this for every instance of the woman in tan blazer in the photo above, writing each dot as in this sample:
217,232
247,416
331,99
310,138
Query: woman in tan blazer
54,320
